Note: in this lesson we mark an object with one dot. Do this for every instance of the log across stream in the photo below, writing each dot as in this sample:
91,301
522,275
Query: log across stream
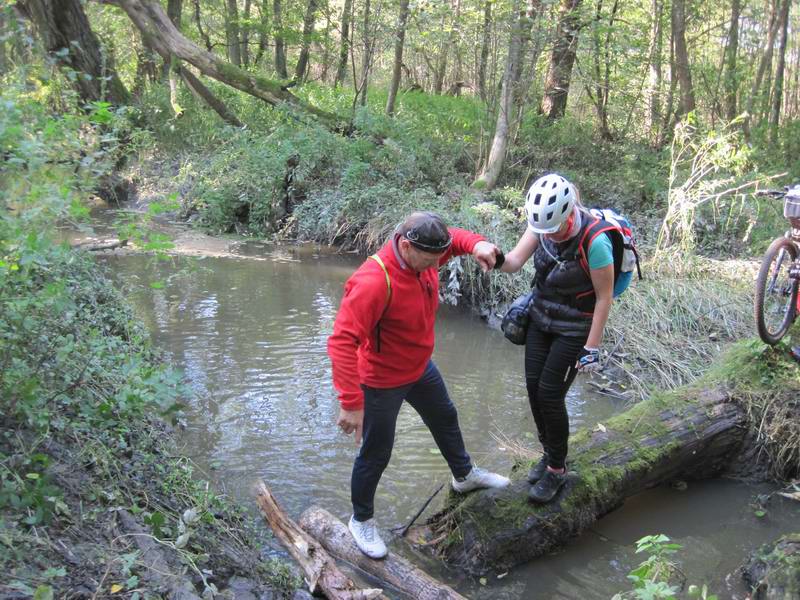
648,445
694,432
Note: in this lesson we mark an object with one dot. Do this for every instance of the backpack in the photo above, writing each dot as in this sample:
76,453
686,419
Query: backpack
626,257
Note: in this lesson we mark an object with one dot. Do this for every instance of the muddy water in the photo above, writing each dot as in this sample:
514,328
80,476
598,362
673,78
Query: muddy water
249,332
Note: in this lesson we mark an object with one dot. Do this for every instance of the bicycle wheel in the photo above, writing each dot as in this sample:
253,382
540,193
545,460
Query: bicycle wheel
776,292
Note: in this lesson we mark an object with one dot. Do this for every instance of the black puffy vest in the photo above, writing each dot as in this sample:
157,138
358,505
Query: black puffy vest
564,299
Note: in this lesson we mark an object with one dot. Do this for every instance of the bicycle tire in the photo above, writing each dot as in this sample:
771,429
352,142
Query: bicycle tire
786,288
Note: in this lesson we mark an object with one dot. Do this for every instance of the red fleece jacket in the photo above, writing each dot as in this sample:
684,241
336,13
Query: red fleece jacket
406,328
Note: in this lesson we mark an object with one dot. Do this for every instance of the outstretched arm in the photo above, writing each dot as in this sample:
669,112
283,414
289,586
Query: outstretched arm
521,253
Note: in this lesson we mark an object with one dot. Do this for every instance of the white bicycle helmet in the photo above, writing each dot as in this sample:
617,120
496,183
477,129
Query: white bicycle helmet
549,203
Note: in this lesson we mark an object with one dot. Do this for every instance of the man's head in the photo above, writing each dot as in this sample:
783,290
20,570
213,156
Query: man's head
423,239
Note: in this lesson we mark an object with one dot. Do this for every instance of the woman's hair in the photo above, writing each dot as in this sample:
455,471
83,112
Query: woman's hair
578,202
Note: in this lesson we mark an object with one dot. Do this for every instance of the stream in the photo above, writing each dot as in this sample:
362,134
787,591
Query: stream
249,331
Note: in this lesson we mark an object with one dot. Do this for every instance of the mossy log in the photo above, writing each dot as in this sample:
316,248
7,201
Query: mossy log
773,573
393,570
687,434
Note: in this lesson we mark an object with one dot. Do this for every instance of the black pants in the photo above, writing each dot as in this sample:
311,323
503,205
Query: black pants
549,371
429,398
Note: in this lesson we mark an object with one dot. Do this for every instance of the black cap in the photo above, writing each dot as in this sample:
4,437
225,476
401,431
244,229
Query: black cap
426,231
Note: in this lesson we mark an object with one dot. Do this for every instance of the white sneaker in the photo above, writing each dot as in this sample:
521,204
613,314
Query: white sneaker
367,538
478,478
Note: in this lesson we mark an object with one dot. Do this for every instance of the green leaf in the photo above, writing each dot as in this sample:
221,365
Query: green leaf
54,572
43,592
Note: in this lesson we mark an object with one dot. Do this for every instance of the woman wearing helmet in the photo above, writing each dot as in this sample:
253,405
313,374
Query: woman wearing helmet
573,290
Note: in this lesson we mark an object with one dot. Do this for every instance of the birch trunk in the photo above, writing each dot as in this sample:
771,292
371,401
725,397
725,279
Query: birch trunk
398,56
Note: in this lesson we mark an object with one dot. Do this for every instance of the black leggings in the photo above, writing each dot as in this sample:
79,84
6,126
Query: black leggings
428,396
549,371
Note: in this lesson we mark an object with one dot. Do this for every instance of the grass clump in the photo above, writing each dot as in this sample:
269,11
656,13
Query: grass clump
669,327
765,381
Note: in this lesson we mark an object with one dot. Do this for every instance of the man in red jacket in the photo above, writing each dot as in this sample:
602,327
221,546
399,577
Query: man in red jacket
381,350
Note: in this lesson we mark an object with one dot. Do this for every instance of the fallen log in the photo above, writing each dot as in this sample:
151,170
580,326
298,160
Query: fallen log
773,572
685,434
320,570
394,569
111,244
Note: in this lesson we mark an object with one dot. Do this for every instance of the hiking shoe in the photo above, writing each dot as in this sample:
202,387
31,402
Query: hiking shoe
367,538
547,487
478,478
536,472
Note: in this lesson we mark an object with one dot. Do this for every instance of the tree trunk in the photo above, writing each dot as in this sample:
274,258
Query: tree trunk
280,46
174,9
683,434
683,72
172,75
777,95
532,32
490,173
158,31
731,76
308,30
344,49
199,23
245,48
766,59
232,32
773,572
64,26
402,19
602,69
458,67
367,58
485,41
174,12
146,69
4,61
326,46
394,570
559,73
440,70
653,93
207,96
262,33
320,570
666,127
